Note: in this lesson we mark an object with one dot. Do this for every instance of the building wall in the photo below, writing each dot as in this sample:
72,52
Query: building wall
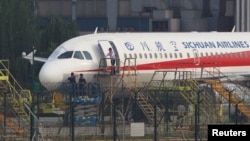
141,15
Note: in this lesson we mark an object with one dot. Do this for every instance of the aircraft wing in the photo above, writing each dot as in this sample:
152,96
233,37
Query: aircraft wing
30,57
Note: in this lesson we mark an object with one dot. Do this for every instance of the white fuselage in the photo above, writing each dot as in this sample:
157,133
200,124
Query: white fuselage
147,53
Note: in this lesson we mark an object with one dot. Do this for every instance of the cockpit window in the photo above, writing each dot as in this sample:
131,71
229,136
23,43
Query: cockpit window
78,55
59,50
65,55
87,55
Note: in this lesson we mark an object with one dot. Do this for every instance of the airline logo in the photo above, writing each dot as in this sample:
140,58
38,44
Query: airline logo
217,44
159,46
129,46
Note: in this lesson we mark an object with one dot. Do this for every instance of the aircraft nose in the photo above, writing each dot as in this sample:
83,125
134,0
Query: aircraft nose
51,76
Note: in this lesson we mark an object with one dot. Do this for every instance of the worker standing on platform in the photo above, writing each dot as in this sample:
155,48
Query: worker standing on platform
111,55
82,82
72,80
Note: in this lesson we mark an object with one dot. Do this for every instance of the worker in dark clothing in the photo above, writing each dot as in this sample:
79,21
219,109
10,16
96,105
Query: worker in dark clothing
82,82
72,80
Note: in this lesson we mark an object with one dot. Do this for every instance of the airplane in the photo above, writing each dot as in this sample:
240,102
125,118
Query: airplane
153,51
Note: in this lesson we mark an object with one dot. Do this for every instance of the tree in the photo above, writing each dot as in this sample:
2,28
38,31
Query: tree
55,32
18,32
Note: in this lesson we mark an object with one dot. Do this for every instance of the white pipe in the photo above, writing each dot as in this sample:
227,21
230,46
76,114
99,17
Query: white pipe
237,15
242,15
247,15
123,125
74,2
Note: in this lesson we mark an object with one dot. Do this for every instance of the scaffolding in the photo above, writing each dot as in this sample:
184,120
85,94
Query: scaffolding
13,96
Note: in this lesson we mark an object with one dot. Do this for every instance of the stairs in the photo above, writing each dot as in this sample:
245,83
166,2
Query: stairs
142,98
198,95
145,103
162,81
215,84
187,87
127,79
12,94
19,130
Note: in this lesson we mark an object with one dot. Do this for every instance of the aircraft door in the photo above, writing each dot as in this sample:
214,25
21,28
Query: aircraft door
196,57
104,47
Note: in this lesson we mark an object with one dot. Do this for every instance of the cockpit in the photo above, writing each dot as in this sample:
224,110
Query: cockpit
75,54
63,53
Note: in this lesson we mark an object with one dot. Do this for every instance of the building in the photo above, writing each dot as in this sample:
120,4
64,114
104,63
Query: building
144,15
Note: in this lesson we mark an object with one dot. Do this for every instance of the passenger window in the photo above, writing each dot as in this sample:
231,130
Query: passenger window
175,55
155,55
160,55
87,55
145,55
140,55
125,56
78,55
130,55
201,54
166,55
188,55
180,55
66,55
170,54
207,54
150,55
135,55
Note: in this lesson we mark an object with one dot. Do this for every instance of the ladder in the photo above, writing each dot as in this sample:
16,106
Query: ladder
14,96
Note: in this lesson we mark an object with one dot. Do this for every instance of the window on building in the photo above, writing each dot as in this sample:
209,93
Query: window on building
160,26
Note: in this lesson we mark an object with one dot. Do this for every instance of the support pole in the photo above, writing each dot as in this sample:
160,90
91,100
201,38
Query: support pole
167,114
155,123
229,105
102,112
197,114
236,112
72,125
123,124
114,121
5,112
33,96
155,118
